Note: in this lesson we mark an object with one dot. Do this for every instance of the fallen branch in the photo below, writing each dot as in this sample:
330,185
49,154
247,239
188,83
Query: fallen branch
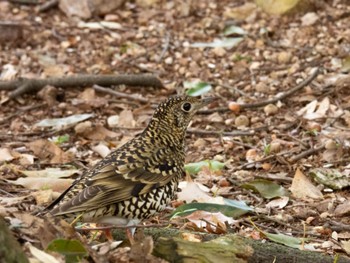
279,97
119,94
23,85
221,133
306,153
48,5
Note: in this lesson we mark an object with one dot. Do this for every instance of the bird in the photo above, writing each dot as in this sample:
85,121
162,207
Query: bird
138,179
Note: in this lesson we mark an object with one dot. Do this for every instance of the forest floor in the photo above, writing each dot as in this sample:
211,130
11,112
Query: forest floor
292,131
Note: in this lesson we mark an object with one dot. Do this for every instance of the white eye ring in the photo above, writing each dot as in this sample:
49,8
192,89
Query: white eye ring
186,107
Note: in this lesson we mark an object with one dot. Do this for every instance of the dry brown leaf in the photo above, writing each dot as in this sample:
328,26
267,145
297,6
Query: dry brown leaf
5,155
209,221
126,119
303,188
43,196
58,185
342,209
278,203
44,149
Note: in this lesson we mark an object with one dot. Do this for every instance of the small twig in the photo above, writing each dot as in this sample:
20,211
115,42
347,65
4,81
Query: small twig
25,2
280,97
119,94
306,153
48,5
230,87
166,46
22,85
269,157
220,133
6,193
338,226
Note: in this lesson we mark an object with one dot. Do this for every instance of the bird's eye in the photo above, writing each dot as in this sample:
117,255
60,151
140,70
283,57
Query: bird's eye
186,106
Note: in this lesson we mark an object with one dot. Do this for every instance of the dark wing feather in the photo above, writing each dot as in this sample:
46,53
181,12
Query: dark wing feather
110,183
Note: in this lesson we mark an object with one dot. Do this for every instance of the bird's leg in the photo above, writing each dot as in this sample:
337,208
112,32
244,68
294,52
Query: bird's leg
130,230
108,234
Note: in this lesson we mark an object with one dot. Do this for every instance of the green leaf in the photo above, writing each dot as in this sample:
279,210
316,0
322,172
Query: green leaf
238,204
267,149
231,30
194,168
266,188
73,250
227,210
60,139
197,88
225,42
284,239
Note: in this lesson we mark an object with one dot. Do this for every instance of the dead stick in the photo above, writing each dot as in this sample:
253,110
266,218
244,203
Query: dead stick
48,5
119,94
282,96
306,153
21,86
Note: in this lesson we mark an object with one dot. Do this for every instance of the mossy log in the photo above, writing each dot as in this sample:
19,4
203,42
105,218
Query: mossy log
10,250
227,248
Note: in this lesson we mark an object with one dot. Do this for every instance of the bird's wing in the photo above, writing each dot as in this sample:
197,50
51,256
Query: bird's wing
112,181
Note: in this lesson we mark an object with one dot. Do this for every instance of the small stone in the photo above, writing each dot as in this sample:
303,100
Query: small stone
235,107
83,127
219,51
284,57
270,109
330,145
169,60
275,147
113,121
309,19
262,87
242,121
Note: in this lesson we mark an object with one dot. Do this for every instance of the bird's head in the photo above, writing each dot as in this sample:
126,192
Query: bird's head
175,114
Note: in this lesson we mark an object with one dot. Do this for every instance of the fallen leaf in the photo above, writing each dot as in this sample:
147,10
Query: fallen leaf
302,187
50,173
126,119
266,188
278,203
277,7
58,185
196,88
5,155
342,209
61,123
41,255
345,244
45,149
